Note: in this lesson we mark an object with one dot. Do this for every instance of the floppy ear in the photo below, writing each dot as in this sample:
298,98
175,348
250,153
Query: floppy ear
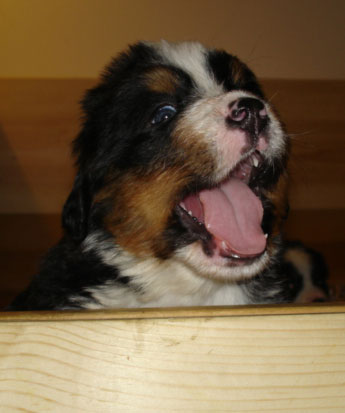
75,214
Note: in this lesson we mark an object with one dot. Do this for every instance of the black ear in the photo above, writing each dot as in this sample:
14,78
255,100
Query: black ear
75,214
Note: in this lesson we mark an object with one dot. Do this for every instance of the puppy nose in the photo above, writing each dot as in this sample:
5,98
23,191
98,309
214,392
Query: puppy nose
248,114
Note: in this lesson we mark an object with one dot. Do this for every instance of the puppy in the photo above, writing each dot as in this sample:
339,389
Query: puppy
180,192
306,271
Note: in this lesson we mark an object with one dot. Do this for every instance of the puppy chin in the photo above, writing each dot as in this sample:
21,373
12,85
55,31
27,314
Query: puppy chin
220,268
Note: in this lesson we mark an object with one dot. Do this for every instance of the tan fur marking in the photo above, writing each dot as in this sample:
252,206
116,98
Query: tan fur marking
194,152
161,80
142,205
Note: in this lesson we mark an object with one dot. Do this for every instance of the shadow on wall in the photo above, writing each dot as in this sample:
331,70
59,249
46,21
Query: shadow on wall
24,238
14,186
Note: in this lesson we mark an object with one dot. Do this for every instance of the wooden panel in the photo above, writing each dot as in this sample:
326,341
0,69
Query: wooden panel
64,38
174,312
314,113
173,362
39,118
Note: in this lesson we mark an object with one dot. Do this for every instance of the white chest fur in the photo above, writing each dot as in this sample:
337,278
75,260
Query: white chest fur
156,283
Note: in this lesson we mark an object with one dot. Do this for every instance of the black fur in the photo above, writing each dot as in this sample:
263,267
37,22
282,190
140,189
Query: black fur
64,274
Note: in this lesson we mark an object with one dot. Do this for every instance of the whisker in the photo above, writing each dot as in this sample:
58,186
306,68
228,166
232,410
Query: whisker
273,96
296,136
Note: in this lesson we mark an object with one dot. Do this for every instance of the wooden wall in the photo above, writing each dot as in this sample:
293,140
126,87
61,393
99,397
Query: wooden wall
75,38
39,118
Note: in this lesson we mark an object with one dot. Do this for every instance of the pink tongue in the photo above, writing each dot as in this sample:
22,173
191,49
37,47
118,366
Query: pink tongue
233,215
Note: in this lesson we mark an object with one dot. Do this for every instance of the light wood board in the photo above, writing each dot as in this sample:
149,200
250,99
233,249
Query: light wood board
218,360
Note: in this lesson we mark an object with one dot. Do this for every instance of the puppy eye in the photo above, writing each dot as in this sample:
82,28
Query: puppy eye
163,114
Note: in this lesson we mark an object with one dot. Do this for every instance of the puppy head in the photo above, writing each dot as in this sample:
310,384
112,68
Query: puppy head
181,157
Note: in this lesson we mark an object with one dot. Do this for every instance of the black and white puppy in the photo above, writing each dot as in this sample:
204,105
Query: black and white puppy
180,192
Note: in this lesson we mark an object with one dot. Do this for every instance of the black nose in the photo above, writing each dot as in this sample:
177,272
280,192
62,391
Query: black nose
248,114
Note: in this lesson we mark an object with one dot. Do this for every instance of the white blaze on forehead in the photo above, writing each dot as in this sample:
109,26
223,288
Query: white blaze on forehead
192,58
206,116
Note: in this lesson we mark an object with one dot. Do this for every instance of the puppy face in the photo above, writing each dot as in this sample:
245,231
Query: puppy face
181,157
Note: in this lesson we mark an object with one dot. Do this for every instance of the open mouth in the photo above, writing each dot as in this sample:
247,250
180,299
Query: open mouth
227,217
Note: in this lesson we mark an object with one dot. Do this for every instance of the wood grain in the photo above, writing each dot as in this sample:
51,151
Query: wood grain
174,312
264,363
40,117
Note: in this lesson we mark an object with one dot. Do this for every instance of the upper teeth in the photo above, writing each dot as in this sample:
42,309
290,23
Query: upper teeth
235,256
255,161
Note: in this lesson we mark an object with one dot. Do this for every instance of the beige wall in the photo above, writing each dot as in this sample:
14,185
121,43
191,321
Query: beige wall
75,38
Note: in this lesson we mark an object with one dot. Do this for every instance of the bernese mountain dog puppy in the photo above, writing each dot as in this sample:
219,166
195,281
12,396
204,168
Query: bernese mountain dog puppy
180,192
